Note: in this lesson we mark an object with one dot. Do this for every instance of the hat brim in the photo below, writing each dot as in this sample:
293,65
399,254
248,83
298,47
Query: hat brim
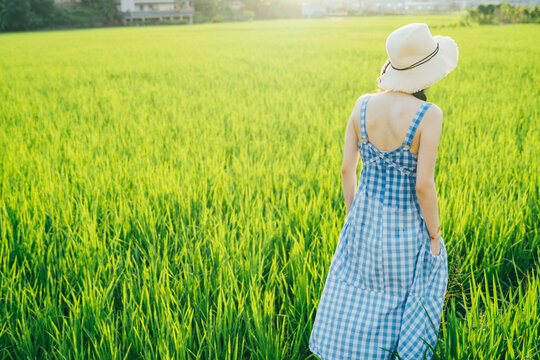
425,75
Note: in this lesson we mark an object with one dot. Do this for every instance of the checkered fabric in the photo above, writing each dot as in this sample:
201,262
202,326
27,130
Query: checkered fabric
385,289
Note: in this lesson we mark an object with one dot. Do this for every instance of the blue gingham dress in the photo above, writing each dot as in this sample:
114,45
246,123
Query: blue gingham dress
385,289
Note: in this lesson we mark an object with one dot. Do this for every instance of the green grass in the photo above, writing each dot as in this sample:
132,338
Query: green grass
175,192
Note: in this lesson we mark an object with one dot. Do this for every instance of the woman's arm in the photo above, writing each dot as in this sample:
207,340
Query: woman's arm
351,155
425,174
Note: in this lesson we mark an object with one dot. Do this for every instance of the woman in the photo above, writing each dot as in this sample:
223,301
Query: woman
385,288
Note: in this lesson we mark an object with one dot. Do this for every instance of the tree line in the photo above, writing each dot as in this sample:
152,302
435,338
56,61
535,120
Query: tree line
16,15
503,13
218,11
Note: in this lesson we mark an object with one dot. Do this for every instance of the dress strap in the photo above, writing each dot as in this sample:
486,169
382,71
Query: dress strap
363,118
414,124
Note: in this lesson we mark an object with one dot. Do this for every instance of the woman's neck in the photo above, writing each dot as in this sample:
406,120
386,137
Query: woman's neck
419,94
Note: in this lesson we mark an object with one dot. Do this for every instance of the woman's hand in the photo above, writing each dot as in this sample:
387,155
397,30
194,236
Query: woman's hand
436,246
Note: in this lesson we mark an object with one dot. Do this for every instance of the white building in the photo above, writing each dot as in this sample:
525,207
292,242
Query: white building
235,4
146,5
68,2
314,10
156,10
353,5
148,10
419,5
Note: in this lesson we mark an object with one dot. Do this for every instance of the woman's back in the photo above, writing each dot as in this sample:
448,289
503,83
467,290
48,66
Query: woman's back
388,118
389,160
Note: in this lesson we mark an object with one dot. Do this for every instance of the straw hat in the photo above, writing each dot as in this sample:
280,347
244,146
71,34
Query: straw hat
416,59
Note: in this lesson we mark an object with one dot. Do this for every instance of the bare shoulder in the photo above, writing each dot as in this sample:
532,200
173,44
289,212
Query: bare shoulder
359,102
362,97
432,121
435,113
356,109
431,124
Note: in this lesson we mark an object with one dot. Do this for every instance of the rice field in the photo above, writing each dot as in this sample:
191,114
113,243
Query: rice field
174,192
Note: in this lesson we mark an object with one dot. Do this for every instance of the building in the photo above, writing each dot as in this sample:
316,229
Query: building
148,10
419,5
314,10
355,6
68,2
331,8
235,4
156,10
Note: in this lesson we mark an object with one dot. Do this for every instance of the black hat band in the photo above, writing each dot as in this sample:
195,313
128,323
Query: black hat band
424,60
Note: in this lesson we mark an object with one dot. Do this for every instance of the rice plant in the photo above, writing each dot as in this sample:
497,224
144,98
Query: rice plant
175,191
